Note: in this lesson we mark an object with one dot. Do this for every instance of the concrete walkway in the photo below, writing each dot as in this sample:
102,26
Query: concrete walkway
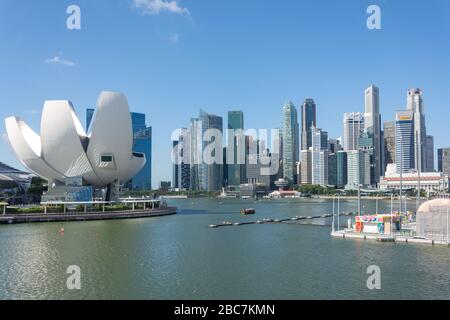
91,216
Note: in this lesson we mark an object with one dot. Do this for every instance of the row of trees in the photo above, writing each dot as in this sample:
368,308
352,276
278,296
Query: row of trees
319,190
157,193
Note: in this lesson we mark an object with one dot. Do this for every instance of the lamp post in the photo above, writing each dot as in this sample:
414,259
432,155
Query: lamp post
359,199
338,210
448,205
401,174
376,211
392,203
332,228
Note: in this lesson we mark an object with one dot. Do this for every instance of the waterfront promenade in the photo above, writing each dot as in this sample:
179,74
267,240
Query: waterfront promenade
77,216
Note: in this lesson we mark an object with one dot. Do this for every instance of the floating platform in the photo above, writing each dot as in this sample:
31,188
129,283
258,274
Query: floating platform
91,216
385,238
274,221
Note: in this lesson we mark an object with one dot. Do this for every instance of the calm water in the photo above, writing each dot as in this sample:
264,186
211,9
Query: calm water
179,257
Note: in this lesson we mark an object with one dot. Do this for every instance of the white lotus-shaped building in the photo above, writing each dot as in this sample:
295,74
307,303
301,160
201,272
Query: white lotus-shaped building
64,150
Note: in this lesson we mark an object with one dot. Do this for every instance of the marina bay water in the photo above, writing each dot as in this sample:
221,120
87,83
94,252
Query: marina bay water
179,257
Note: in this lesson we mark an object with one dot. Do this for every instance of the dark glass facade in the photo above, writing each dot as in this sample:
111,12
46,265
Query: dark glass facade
332,169
341,164
233,171
142,143
308,121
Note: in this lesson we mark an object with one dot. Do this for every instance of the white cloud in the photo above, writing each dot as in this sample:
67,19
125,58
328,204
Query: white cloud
61,61
159,6
174,38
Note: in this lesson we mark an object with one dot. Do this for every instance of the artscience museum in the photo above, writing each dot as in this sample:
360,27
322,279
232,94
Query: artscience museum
73,160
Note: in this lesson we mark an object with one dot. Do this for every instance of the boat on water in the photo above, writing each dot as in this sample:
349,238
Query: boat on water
248,211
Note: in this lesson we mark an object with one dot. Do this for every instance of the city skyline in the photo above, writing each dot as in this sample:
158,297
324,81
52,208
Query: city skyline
166,76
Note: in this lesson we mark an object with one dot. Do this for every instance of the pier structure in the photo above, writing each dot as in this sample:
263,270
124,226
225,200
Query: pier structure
125,209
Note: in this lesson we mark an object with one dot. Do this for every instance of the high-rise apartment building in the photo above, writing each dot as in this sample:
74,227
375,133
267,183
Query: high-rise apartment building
353,128
290,136
308,121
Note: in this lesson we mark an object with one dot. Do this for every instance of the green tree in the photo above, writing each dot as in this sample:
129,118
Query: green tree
37,188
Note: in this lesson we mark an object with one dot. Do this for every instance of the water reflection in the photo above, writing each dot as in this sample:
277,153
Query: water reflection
179,257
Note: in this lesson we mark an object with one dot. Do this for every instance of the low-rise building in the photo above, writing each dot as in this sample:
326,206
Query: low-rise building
429,181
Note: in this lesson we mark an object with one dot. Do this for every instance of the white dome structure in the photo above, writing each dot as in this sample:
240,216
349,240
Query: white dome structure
64,150
433,220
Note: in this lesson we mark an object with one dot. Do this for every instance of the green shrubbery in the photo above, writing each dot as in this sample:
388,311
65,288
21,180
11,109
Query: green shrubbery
26,210
315,190
116,207
158,193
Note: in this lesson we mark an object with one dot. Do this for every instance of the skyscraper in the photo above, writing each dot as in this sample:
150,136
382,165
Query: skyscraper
389,142
290,134
181,166
341,163
308,121
366,143
319,157
353,128
89,115
444,160
404,141
196,153
332,169
415,105
236,149
430,154
142,143
334,146
372,124
211,174
306,167
439,157
358,164
175,164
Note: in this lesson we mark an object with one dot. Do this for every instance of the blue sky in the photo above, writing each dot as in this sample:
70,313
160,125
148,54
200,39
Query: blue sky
173,58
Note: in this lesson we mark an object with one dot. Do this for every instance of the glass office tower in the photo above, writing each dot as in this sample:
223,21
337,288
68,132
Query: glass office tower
290,134
142,143
235,164
404,141
308,121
